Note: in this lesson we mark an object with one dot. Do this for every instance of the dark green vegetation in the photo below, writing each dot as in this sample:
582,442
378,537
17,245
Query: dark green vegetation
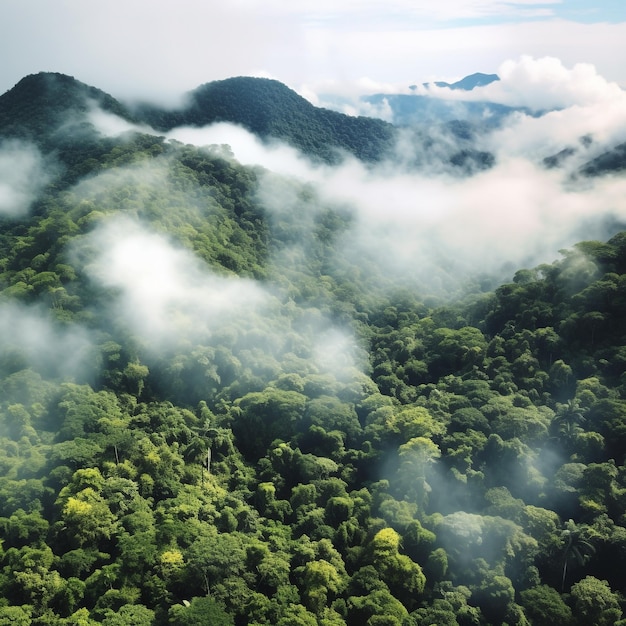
270,109
242,461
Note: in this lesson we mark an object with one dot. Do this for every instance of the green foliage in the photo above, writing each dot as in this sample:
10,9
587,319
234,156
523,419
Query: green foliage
457,463
595,603
199,611
270,109
546,607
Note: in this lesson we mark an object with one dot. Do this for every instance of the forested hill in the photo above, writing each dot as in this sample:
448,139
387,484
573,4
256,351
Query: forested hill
53,110
443,132
270,109
42,103
220,404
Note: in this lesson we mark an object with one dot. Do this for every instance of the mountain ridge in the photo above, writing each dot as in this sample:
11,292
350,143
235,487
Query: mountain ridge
269,108
39,105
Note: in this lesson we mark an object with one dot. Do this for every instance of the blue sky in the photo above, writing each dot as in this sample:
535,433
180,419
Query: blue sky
160,48
612,11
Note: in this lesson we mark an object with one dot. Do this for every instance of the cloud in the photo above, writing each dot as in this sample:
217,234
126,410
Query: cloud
247,147
539,84
427,229
162,50
323,11
435,230
111,125
23,174
30,337
172,302
542,84
165,294
438,233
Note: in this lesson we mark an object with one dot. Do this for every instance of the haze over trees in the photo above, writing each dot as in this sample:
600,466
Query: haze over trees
212,412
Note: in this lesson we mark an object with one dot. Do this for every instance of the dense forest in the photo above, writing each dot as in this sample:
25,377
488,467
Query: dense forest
210,413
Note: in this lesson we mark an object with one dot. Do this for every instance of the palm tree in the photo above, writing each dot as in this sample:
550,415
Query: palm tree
576,548
567,422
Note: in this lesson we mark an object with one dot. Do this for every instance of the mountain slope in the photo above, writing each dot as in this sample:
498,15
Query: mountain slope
612,161
470,82
270,109
213,411
40,103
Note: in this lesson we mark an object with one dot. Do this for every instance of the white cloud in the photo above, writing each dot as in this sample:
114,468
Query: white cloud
544,83
163,49
319,11
170,300
247,147
29,337
414,223
22,176
111,125
167,296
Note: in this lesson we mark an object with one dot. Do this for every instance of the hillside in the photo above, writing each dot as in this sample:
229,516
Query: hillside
41,103
270,109
221,403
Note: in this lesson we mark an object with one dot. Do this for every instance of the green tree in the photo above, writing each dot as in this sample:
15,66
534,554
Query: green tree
266,416
595,603
416,456
576,548
201,612
545,606
404,577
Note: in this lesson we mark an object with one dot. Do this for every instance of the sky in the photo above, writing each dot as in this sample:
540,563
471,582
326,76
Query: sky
158,49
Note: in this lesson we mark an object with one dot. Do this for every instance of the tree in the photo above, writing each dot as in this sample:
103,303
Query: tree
567,423
378,603
200,612
416,456
545,607
16,615
129,615
403,576
595,603
320,579
576,548
266,416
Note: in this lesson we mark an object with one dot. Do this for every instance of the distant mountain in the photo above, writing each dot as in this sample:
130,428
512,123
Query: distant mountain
415,109
411,110
270,109
609,162
470,82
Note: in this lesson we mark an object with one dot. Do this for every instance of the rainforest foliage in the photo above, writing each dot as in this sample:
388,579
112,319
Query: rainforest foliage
282,436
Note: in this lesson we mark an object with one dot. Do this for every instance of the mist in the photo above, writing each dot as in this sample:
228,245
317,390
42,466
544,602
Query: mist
434,228
23,174
538,84
31,338
173,302
165,294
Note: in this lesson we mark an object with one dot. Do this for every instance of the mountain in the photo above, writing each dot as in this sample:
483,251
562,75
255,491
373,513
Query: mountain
413,109
42,103
272,110
602,161
231,397
469,82
612,161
